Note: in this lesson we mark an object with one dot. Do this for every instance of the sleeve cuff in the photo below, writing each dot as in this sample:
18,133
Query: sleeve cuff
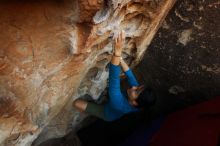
114,70
128,72
115,66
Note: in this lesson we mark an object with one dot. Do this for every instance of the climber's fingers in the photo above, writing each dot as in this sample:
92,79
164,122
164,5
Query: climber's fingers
119,37
122,36
116,40
119,40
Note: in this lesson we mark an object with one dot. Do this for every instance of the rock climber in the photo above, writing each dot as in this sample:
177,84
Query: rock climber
119,102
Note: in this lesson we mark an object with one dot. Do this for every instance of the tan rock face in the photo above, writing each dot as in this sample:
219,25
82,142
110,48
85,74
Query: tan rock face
50,51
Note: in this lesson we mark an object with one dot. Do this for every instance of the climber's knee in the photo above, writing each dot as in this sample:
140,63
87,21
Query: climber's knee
96,110
80,104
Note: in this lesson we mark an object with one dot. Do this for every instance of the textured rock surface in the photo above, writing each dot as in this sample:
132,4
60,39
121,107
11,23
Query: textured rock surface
50,51
184,56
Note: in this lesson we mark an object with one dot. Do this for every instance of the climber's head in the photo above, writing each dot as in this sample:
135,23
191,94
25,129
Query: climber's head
140,96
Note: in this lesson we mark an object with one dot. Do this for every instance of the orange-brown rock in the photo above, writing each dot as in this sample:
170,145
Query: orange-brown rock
49,52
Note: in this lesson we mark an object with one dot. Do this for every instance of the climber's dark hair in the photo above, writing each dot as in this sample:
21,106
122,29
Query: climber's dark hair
146,98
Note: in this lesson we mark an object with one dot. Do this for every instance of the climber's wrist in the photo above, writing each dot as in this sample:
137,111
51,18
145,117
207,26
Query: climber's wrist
117,54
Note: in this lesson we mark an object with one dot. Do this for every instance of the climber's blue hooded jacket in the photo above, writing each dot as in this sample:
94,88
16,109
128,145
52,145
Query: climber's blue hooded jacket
118,104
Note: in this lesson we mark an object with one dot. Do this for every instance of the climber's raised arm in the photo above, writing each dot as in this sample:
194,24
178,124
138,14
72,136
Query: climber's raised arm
114,74
124,65
129,74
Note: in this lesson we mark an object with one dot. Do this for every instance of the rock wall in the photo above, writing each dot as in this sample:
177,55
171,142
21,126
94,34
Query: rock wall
53,52
184,56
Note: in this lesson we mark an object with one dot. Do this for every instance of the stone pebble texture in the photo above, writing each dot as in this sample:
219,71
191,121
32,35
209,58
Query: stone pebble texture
53,52
186,49
184,56
183,59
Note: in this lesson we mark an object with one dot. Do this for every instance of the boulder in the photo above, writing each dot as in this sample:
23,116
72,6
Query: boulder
53,52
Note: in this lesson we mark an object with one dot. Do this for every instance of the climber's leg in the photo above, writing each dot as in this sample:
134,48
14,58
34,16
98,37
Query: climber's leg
95,110
90,108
